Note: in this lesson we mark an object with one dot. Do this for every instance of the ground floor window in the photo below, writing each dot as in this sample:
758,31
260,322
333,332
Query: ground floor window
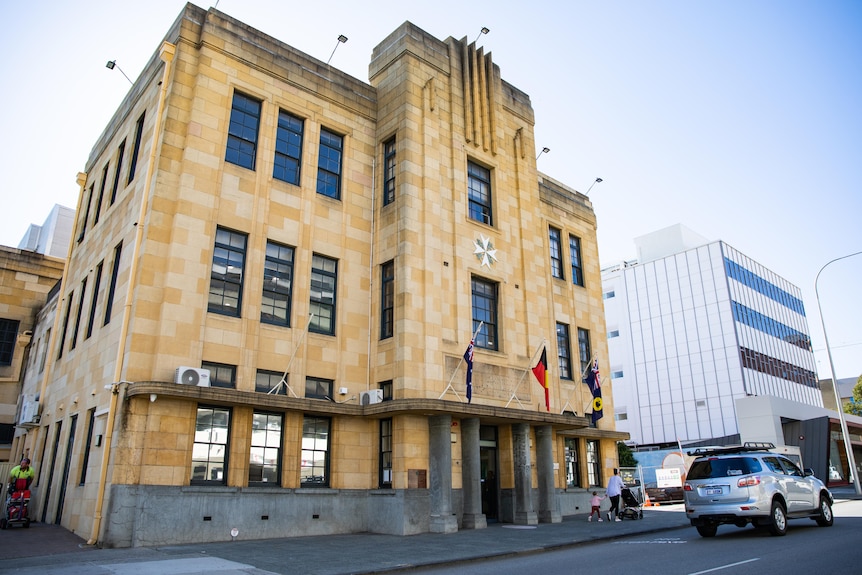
573,474
594,468
385,479
265,456
209,453
314,467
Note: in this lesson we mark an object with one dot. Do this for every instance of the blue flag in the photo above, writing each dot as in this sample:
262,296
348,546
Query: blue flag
468,357
595,385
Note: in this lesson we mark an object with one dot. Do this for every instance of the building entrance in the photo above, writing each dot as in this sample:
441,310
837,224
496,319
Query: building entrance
490,477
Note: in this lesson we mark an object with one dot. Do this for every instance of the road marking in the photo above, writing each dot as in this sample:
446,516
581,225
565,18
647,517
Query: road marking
726,566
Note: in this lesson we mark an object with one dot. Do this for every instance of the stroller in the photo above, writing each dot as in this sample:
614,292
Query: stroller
631,505
17,505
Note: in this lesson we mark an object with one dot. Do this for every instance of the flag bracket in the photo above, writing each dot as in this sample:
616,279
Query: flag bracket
283,381
449,386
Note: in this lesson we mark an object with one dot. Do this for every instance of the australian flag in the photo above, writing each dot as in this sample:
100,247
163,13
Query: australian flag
468,357
595,385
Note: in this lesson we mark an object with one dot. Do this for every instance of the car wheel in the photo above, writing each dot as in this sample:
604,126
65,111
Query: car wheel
825,518
778,519
26,523
707,530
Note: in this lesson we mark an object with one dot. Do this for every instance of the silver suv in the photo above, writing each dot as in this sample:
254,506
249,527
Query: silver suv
749,484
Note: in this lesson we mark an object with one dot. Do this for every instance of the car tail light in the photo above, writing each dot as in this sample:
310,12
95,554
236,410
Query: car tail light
749,481
687,487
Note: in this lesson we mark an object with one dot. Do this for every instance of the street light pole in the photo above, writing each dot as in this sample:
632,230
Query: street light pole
848,448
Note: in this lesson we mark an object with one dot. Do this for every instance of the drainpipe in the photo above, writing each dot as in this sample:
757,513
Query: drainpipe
167,56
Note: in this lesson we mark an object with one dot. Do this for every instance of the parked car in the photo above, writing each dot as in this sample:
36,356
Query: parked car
749,484
664,494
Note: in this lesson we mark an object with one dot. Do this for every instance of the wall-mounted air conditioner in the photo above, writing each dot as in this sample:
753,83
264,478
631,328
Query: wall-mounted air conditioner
192,376
372,396
29,410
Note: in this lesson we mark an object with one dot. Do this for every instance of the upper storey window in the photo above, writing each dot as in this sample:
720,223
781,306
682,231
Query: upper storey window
479,193
329,164
288,148
389,172
242,132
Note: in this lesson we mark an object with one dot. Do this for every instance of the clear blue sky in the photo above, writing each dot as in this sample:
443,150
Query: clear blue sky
740,119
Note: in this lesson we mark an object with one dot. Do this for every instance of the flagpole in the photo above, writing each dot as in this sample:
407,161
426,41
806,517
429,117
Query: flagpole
455,371
289,363
515,390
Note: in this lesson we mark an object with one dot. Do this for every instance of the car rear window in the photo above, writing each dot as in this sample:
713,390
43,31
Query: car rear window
713,468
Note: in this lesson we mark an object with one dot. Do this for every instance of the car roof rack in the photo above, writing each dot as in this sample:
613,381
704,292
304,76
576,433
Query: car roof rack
725,449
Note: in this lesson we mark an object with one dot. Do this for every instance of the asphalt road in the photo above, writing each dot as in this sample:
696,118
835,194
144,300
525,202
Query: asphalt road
806,548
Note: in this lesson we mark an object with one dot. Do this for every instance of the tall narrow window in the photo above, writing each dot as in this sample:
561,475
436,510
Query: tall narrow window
101,194
389,172
112,288
594,465
242,132
270,381
94,299
479,193
8,339
225,294
573,472
139,134
264,465
556,245
120,152
277,284
329,164
288,148
324,277
65,329
384,479
314,469
575,255
221,374
387,299
564,349
91,420
484,295
584,351
83,222
210,449
318,388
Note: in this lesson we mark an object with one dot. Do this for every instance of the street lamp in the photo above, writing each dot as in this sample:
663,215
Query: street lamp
848,448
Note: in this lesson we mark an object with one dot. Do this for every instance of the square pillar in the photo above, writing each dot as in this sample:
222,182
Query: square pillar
440,474
549,508
471,471
523,502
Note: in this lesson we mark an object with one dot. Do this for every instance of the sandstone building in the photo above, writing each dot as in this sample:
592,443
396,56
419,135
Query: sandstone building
254,219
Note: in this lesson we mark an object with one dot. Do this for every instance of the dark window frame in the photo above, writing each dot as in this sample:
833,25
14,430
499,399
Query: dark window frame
121,150
389,168
229,251
266,380
564,351
210,432
243,131
330,164
384,462
319,388
287,162
270,451
576,260
324,275
387,299
94,299
112,289
313,427
139,134
8,340
585,350
101,199
485,301
221,374
555,241
277,267
479,194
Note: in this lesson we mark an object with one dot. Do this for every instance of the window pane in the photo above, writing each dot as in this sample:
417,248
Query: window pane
242,131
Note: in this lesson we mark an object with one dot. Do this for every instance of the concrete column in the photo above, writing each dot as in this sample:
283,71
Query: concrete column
549,508
471,474
523,502
440,474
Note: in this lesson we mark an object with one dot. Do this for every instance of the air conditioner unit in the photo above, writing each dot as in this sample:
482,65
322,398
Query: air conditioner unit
29,411
192,376
369,397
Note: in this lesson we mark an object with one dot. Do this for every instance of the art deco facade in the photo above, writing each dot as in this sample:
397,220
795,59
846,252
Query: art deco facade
304,239
694,326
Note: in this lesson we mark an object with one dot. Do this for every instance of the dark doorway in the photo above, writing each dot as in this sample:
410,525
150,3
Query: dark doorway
489,474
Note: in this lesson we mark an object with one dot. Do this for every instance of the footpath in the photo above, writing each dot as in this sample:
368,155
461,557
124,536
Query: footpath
52,550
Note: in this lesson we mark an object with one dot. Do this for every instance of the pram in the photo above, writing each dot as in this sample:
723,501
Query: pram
631,505
17,505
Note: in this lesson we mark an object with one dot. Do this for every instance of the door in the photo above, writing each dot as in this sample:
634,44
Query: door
489,475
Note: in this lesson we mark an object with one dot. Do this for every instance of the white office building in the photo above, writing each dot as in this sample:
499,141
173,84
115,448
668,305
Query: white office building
693,326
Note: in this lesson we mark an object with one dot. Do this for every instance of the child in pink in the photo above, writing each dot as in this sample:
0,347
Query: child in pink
595,502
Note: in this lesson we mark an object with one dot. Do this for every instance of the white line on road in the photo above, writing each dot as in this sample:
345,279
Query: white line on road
726,566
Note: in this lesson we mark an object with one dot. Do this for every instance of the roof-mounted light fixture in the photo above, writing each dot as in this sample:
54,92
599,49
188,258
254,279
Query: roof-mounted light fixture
341,40
113,64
